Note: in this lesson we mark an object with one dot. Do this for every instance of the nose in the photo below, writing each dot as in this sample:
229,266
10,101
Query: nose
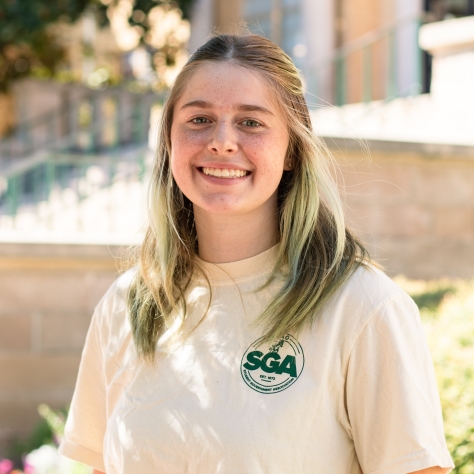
224,139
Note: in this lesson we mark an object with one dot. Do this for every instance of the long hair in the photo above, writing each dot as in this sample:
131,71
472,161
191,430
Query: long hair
316,250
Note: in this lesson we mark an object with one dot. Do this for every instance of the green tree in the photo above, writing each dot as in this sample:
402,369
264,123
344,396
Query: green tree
139,17
27,44
146,5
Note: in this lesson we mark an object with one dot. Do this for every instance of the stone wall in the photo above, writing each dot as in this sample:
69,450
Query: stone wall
47,296
413,204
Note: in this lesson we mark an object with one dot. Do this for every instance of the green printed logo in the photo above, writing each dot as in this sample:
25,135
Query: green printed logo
275,368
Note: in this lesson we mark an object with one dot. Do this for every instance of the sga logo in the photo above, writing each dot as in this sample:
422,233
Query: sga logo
273,369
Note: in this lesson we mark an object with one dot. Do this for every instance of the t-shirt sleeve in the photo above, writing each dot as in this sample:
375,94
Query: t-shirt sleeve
391,395
86,423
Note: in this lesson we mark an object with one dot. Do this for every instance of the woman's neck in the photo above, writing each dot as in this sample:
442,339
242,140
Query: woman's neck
229,238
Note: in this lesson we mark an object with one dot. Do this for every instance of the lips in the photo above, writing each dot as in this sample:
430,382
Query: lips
224,172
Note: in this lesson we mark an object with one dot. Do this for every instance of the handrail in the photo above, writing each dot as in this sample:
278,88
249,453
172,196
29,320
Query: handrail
26,165
88,94
373,36
365,44
44,131
49,173
28,184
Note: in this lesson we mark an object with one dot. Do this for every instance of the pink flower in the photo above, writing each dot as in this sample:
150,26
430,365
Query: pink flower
5,466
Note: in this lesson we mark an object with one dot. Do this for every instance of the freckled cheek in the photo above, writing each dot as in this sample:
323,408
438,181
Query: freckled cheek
179,161
184,147
182,171
267,154
188,137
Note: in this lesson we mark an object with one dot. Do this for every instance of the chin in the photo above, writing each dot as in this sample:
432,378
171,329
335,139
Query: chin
220,206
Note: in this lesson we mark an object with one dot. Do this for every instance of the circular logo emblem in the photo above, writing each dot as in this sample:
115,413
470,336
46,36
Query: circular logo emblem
271,368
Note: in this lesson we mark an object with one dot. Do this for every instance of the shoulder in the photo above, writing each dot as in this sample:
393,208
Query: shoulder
372,288
117,294
367,296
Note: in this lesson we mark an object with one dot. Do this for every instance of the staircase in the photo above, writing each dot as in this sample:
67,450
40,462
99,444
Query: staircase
78,173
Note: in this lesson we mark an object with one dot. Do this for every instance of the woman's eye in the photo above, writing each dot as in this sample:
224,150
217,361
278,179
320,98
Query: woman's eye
251,123
199,120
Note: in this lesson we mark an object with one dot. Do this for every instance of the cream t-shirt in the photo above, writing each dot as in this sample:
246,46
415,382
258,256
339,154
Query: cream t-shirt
353,393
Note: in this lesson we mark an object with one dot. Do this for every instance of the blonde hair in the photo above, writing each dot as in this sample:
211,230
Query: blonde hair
316,250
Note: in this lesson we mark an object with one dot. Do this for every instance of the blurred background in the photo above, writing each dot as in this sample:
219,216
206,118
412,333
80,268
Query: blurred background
390,84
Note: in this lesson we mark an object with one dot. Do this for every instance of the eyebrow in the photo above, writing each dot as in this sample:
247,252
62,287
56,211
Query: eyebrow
202,104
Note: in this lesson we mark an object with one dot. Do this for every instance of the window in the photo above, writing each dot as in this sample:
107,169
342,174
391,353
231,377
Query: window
278,20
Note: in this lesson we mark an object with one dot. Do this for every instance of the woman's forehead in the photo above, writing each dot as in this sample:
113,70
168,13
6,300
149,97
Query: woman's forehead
228,84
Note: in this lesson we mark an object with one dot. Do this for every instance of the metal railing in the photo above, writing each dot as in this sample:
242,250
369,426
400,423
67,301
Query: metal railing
70,161
367,68
93,122
52,188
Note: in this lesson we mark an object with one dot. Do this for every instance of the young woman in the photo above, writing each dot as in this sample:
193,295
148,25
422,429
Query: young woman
254,336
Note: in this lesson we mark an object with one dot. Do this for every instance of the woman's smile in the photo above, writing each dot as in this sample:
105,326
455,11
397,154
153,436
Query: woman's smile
223,176
224,172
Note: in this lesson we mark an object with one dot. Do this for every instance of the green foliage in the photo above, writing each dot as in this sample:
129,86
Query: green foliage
56,420
146,5
166,56
429,295
431,300
27,46
40,435
447,311
23,18
49,430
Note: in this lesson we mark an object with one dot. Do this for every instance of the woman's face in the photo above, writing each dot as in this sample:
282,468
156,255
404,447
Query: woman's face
228,141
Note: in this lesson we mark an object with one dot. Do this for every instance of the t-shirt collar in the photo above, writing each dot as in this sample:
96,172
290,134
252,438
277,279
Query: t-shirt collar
243,269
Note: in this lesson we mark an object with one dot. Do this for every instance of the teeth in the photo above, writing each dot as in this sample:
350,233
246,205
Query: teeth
224,173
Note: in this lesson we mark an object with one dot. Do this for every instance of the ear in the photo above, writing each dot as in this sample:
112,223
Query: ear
289,164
